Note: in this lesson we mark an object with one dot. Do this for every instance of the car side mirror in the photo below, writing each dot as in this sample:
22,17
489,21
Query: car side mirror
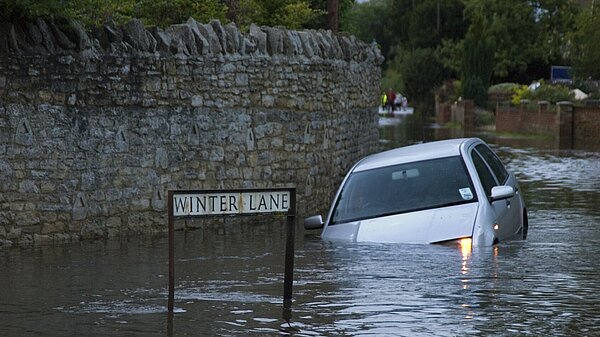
313,222
502,192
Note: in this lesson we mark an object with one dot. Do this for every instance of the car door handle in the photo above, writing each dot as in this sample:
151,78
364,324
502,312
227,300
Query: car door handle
508,203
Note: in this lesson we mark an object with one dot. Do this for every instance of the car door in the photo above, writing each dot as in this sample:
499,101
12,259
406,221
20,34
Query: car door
503,177
492,173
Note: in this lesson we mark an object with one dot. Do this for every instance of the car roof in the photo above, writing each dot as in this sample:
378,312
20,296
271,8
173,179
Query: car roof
414,153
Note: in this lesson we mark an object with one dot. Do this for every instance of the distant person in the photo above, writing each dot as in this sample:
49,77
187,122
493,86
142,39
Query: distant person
404,103
391,97
383,99
398,101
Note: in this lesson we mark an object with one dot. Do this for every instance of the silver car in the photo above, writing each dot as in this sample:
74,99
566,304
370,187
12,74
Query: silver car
438,192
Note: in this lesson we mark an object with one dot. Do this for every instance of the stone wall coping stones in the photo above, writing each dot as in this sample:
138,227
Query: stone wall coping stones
60,37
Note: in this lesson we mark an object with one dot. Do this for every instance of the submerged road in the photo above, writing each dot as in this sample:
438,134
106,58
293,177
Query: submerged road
232,285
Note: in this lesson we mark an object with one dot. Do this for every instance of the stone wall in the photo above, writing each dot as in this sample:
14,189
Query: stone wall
95,127
572,126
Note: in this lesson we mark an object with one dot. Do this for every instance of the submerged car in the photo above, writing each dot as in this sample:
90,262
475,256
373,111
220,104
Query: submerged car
437,192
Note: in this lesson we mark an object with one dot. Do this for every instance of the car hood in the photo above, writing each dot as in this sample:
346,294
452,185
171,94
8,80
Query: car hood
427,226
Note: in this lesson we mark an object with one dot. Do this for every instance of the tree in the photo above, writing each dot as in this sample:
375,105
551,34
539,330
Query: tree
368,21
510,26
420,72
333,15
478,63
587,48
292,14
414,24
556,19
97,12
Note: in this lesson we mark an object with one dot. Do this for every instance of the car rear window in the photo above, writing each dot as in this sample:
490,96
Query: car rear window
404,188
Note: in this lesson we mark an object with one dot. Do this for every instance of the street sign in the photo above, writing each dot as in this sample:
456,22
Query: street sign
189,204
202,203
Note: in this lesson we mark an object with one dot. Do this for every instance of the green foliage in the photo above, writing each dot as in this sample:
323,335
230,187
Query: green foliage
319,21
552,93
97,12
474,89
524,32
366,21
167,12
414,24
549,92
507,87
519,93
594,94
508,36
405,24
15,10
450,53
478,62
393,79
293,14
555,19
510,27
587,47
420,72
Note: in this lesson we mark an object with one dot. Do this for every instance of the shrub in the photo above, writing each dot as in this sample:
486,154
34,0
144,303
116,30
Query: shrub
552,93
518,93
549,92
501,88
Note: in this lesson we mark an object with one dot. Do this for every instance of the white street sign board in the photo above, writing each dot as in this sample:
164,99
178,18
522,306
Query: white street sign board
229,203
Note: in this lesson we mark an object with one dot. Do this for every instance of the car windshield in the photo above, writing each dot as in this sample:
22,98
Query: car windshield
404,188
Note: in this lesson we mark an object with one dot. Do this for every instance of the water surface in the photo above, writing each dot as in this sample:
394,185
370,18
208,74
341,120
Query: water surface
231,285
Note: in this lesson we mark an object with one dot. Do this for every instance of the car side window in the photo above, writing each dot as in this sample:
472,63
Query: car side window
494,162
485,176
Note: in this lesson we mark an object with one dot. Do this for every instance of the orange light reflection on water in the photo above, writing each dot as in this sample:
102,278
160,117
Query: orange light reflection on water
465,249
466,245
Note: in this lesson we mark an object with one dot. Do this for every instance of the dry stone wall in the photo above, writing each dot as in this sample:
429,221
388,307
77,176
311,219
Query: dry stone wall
96,126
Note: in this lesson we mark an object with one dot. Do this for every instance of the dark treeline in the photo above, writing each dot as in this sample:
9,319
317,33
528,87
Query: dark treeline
425,42
479,42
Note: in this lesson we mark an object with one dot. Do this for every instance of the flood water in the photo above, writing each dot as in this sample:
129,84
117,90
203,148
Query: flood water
232,285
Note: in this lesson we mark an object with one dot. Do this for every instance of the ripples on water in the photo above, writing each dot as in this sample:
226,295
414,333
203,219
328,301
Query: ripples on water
232,286
568,180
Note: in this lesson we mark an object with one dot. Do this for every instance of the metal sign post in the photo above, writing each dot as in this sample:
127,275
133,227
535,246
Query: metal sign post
288,280
201,203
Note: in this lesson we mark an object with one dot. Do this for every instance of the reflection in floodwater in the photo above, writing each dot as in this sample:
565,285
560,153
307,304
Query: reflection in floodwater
231,285
466,245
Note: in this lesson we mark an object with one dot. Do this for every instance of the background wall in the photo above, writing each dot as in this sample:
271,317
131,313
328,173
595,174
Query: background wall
573,126
543,120
95,127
